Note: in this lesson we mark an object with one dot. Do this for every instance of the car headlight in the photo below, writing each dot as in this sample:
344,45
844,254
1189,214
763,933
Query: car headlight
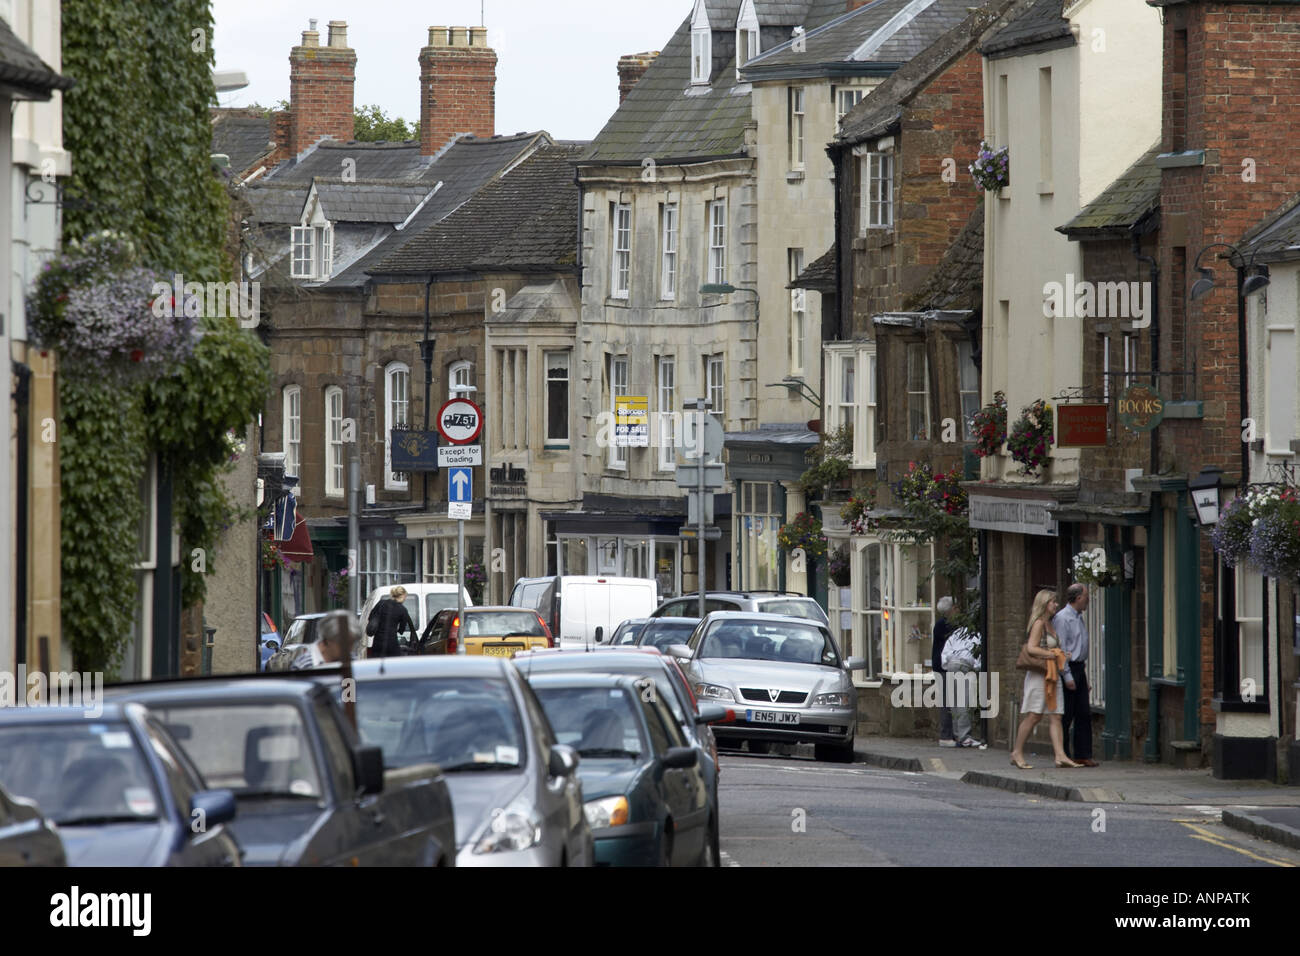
713,692
510,830
608,812
831,700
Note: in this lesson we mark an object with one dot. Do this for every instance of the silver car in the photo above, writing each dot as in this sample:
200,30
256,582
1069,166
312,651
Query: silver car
515,791
787,675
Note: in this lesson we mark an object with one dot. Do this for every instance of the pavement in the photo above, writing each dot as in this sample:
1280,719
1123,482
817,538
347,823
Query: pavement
1266,810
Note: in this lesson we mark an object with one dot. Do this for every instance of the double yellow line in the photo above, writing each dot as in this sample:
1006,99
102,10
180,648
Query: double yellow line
1199,832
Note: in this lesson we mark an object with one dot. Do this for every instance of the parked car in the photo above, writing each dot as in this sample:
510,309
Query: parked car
494,631
787,603
528,592
516,791
693,718
626,633
664,632
422,602
27,836
787,674
118,787
308,793
575,607
646,800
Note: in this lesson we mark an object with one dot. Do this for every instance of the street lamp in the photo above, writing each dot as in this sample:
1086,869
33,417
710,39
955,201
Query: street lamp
796,384
1202,286
1205,494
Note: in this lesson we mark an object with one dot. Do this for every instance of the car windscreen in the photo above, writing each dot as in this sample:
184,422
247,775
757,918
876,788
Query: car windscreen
529,595
628,663
256,749
758,641
437,601
87,773
806,609
460,723
626,633
663,635
598,722
501,623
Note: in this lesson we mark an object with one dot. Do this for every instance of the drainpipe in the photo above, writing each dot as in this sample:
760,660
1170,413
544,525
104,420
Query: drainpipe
426,353
1242,382
22,396
1154,306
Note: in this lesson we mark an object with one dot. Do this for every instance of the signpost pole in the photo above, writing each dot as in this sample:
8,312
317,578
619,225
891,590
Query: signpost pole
460,421
700,406
460,576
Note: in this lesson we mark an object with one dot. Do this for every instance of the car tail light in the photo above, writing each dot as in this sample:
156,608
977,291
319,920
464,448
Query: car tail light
453,635
550,638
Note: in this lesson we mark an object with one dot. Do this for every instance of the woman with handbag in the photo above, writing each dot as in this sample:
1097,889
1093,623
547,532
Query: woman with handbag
1044,662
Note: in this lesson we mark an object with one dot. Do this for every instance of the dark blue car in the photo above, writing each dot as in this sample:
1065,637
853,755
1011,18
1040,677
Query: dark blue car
644,796
117,786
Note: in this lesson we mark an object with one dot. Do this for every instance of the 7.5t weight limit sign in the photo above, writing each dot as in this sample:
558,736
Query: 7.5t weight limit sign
460,421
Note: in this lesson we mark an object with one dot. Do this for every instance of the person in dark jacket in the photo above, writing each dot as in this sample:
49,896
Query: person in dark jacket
389,619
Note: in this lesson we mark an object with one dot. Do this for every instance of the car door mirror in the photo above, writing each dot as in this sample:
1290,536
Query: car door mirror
715,714
680,651
370,769
855,664
272,645
564,761
679,758
211,807
600,635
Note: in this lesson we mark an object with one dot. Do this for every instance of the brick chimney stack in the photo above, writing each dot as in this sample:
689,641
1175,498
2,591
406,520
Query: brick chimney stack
321,80
630,69
458,76
854,4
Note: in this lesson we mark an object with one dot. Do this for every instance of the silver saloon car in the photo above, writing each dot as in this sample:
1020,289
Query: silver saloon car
784,677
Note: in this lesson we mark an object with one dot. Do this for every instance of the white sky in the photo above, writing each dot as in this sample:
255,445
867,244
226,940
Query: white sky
557,61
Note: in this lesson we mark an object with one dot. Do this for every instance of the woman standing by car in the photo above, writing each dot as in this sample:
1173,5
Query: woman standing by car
1043,693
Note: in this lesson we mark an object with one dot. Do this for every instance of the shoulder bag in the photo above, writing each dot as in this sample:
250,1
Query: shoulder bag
1027,662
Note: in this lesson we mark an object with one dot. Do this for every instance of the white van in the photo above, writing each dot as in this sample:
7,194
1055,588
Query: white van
422,602
575,605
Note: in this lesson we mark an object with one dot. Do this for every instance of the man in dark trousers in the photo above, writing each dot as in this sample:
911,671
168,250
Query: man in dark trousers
1073,632
941,631
388,619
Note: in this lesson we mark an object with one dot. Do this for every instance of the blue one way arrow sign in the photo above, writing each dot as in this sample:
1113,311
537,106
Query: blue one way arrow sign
460,485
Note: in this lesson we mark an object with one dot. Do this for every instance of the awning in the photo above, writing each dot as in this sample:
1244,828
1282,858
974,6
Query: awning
298,547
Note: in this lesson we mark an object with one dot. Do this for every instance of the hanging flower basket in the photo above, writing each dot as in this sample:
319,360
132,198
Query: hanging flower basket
922,487
336,588
1092,568
990,425
990,169
1261,527
272,556
856,512
803,532
96,307
1032,436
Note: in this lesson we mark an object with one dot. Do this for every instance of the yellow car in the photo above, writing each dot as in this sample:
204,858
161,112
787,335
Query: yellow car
493,631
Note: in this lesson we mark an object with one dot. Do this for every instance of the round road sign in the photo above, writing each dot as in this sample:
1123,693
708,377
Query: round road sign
460,421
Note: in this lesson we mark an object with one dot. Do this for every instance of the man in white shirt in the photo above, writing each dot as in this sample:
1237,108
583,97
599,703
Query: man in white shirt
1073,634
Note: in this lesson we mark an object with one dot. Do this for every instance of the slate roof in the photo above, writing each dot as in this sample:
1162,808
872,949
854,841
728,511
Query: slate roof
957,282
543,302
1133,195
1040,26
243,136
881,109
882,34
372,161
1277,238
23,74
819,275
526,219
369,202
277,203
666,118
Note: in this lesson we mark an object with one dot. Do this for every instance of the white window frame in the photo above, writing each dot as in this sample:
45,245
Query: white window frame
701,47
618,388
1130,343
877,178
715,383
798,312
397,412
716,224
1279,426
548,355
666,397
460,373
910,392
847,401
862,613
797,106
1094,619
668,223
852,94
864,433
312,251
334,465
965,359
899,573
291,430
1105,368
1252,641
620,261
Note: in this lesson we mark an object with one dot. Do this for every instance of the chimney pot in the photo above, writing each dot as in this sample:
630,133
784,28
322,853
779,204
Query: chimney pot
338,34
311,37
460,36
478,36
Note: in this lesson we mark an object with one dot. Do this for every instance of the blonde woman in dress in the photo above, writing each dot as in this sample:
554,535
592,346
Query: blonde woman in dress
1043,693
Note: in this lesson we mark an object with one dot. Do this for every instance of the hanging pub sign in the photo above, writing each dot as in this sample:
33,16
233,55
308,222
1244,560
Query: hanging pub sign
1141,408
413,450
1081,426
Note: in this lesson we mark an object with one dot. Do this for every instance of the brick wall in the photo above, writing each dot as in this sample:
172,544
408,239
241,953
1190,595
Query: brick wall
321,83
457,86
630,70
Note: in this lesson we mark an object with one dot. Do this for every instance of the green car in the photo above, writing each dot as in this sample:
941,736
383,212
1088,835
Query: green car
644,795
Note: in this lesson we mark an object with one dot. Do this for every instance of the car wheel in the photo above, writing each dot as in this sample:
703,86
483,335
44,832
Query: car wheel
710,855
760,746
834,753
666,845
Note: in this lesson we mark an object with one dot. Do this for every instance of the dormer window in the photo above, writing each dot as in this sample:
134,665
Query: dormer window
747,43
313,251
701,45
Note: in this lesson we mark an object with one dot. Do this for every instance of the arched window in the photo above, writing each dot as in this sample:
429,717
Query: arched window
460,373
397,403
291,430
334,441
